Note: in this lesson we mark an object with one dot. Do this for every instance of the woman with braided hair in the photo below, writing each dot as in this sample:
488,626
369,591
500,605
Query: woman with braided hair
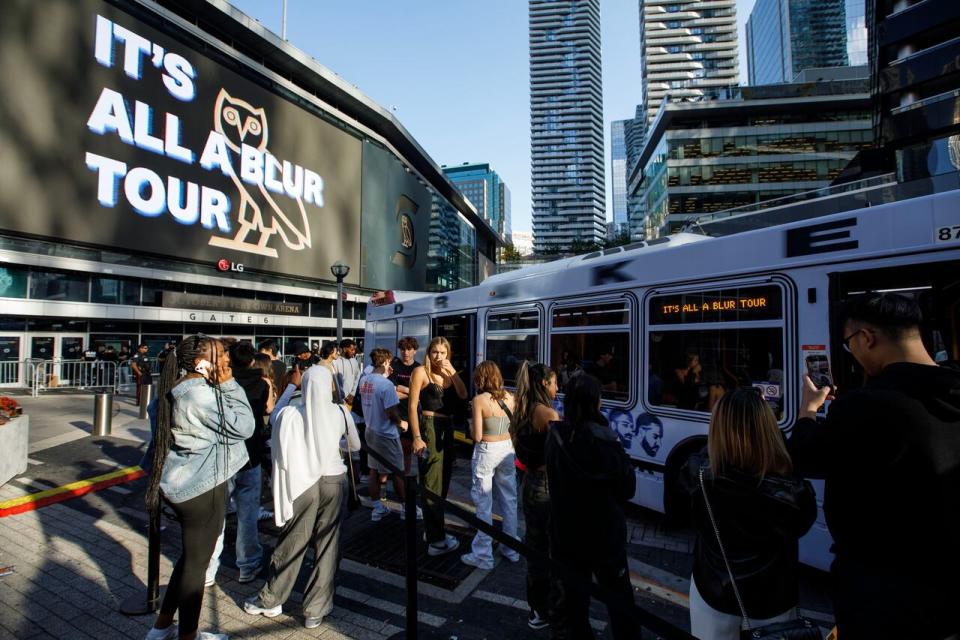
202,420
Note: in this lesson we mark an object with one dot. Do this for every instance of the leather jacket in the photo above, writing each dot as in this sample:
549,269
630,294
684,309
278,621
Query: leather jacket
760,522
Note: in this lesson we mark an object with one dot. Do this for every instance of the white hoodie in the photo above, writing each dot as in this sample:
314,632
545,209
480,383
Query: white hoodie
306,442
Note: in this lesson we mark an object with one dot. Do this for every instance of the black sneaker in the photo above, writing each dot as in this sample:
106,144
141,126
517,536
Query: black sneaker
535,622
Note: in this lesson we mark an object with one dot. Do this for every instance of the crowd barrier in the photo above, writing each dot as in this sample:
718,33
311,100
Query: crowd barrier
39,375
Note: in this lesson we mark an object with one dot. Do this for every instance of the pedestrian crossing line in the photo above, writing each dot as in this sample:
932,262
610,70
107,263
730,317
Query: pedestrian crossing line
389,607
499,598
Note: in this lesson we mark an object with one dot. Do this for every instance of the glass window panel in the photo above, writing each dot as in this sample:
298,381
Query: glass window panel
513,321
205,289
692,369
59,285
114,290
605,314
321,308
510,351
13,323
13,282
604,355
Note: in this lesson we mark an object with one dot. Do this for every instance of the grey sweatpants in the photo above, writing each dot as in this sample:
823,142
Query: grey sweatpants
316,522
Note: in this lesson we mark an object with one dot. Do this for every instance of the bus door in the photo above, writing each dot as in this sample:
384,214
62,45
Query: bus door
460,330
936,286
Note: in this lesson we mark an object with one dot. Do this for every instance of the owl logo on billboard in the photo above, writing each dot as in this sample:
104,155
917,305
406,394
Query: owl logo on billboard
259,217
406,255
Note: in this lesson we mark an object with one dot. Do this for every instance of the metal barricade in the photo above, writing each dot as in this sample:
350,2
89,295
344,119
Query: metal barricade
69,374
126,382
12,374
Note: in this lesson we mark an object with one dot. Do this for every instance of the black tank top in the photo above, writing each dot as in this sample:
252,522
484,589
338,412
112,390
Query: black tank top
431,398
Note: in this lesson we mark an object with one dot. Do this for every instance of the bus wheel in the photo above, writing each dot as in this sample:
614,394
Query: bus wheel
676,501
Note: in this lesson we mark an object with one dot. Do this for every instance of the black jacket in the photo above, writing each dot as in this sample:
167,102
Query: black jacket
257,390
890,455
760,522
590,479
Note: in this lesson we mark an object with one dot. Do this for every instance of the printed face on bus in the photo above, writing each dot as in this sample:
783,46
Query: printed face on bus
650,431
622,423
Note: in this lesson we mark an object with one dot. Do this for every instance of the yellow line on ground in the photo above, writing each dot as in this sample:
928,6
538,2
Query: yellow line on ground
73,486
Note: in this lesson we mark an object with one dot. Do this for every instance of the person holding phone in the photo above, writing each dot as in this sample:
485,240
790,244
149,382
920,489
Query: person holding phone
202,420
434,387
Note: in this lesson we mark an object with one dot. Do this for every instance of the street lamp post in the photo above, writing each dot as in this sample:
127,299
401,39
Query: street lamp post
339,271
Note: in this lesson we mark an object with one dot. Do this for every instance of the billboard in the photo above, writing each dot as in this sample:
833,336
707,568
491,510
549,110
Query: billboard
114,134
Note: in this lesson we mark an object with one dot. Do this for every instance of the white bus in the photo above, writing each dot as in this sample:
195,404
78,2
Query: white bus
748,309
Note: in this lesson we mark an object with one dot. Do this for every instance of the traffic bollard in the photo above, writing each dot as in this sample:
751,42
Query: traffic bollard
146,395
102,414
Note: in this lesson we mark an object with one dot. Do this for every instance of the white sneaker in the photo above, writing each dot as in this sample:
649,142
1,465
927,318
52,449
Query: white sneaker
255,608
509,554
170,633
439,548
379,511
403,513
207,635
474,561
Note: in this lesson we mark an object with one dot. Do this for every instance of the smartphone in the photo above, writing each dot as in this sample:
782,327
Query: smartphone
204,367
818,368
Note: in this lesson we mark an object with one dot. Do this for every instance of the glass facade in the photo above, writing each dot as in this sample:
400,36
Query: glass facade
785,37
452,256
618,172
483,187
711,163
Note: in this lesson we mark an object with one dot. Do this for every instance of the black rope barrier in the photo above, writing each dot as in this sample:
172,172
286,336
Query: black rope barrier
663,628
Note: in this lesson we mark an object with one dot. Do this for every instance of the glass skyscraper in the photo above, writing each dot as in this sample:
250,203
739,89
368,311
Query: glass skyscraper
618,173
487,191
784,37
566,122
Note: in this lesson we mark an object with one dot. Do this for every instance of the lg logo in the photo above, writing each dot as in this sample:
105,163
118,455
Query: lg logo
225,265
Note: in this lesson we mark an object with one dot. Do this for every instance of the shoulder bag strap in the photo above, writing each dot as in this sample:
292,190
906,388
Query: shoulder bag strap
503,406
723,553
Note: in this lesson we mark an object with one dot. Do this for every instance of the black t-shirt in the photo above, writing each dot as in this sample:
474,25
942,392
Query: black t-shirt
144,365
401,376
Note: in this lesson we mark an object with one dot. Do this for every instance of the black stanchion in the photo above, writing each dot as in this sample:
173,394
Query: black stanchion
410,507
143,603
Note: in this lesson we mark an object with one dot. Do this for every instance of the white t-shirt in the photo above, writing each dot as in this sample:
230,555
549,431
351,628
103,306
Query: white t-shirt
378,394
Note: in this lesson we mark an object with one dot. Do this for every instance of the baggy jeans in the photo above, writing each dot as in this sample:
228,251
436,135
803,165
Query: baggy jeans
494,480
316,522
245,489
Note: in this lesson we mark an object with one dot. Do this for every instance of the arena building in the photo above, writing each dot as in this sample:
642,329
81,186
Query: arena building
173,167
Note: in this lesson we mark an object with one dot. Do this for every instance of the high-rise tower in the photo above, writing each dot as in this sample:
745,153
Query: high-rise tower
689,50
566,120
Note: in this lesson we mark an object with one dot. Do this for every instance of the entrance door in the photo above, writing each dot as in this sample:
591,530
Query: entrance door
61,355
11,370
41,347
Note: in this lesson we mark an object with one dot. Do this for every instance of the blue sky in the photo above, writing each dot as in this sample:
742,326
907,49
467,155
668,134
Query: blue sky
457,71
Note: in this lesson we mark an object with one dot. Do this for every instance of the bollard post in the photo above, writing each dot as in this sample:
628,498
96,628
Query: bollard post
102,414
146,395
410,506
141,603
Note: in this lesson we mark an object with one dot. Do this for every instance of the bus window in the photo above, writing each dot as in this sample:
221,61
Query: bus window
702,344
512,338
593,339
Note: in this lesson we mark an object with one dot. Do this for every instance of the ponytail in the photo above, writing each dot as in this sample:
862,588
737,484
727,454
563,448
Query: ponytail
530,392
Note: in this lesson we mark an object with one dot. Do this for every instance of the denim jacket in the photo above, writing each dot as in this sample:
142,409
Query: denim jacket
205,454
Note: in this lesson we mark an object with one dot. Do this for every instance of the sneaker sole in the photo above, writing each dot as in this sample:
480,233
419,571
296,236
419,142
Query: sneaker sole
431,551
266,613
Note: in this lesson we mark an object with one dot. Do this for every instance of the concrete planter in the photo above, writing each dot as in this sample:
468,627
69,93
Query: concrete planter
14,438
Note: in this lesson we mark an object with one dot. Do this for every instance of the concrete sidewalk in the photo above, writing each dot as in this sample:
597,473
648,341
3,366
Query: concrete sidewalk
74,562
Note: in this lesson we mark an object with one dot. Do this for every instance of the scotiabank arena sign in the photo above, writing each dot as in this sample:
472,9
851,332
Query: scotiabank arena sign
115,134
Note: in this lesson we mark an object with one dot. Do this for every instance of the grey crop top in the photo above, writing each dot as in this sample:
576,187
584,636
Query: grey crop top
496,425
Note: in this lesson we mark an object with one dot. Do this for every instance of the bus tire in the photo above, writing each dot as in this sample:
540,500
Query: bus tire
676,502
